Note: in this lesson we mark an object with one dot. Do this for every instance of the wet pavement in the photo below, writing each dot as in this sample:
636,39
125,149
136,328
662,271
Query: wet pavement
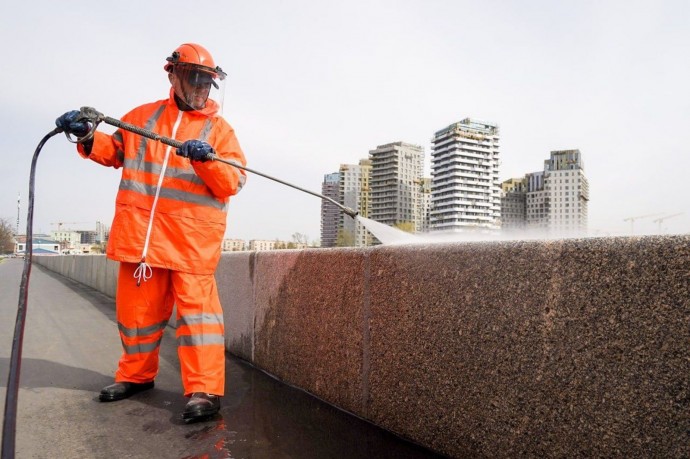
71,348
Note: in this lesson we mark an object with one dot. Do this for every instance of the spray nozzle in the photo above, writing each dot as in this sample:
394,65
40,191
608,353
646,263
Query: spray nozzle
351,212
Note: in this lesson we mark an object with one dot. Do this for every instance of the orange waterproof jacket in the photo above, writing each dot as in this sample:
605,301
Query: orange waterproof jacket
184,203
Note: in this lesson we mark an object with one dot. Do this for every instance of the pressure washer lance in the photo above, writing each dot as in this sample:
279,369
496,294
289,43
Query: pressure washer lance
93,117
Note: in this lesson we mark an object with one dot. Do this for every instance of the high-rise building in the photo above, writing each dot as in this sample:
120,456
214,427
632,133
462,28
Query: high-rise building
353,180
363,237
537,203
423,205
567,189
552,202
396,169
513,198
101,232
465,187
330,213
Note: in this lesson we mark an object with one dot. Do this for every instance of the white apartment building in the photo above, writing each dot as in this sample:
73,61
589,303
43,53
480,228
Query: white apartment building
465,187
257,244
68,238
552,202
396,169
567,190
232,245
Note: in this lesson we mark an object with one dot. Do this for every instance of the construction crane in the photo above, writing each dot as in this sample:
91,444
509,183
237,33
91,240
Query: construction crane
632,220
661,219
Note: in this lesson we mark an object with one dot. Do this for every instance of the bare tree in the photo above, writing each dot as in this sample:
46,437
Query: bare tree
299,238
6,236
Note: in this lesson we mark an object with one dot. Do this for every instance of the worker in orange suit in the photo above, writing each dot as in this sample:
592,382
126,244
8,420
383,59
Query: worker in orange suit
170,218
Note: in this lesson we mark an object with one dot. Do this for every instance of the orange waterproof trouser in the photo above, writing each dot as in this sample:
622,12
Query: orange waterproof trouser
144,311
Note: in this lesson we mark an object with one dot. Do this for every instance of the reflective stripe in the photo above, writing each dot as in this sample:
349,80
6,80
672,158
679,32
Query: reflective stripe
200,340
140,332
240,184
141,348
117,135
196,319
150,124
186,174
120,154
206,130
177,195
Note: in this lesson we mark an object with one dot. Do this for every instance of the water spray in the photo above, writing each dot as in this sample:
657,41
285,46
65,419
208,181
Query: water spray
93,118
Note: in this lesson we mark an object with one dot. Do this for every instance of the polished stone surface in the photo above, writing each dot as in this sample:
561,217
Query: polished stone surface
562,348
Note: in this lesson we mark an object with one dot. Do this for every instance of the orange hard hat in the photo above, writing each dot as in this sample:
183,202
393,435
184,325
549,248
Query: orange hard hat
194,55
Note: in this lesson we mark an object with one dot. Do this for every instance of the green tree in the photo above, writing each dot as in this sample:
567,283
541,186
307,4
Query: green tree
408,227
6,236
345,238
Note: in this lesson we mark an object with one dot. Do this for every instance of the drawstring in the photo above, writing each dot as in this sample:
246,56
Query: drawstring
144,271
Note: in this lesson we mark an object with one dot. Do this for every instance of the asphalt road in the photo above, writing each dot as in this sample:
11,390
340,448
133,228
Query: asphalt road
70,351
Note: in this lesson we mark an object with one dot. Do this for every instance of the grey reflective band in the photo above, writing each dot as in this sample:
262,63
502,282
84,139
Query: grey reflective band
150,124
206,130
187,174
176,195
141,348
117,135
200,340
141,332
197,319
240,184
119,153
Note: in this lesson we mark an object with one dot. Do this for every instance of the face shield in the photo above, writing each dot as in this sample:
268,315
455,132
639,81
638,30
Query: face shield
199,86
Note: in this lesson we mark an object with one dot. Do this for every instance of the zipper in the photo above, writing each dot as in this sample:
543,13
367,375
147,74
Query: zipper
144,271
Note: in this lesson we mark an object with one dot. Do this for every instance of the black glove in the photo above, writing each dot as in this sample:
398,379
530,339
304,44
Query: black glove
196,150
69,124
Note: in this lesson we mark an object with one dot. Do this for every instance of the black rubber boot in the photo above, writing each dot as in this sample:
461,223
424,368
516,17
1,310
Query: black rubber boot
201,406
122,390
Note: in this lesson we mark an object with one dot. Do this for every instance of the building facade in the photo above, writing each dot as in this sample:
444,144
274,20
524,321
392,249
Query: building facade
232,245
567,190
40,245
330,213
363,238
465,187
354,179
396,169
513,200
549,203
423,205
537,204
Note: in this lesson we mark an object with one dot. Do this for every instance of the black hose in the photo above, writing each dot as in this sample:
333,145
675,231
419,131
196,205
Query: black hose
10,417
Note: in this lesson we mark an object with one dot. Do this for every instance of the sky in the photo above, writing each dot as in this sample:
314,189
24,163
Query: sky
315,84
